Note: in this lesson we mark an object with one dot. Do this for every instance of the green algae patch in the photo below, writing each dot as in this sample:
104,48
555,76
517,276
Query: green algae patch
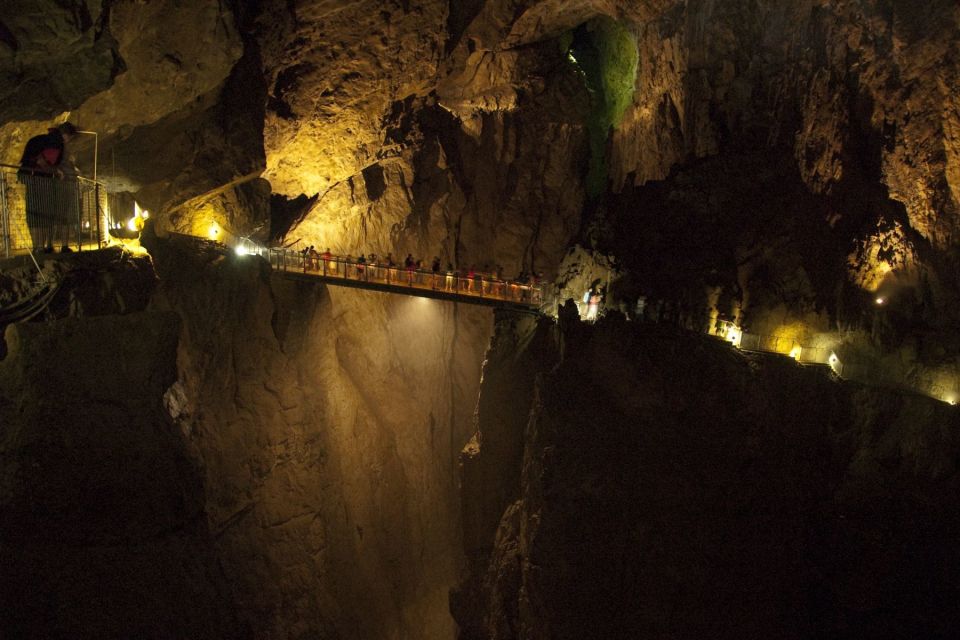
605,53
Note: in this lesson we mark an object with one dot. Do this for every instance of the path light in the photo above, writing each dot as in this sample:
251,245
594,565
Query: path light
880,300
834,362
795,352
214,230
139,216
733,335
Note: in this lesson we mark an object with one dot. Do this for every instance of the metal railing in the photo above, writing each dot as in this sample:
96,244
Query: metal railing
42,212
783,345
347,268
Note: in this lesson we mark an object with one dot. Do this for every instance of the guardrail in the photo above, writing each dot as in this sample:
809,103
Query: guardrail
348,268
783,345
42,212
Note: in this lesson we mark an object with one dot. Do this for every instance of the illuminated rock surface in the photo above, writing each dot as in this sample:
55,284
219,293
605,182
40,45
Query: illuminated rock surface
784,163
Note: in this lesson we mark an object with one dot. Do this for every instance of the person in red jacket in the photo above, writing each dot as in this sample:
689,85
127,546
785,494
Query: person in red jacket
50,201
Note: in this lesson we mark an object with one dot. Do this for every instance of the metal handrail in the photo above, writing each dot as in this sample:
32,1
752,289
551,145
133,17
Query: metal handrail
39,209
348,268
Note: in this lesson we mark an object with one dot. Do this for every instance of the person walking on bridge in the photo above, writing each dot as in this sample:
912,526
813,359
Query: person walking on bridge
450,276
435,268
391,270
408,264
361,265
328,265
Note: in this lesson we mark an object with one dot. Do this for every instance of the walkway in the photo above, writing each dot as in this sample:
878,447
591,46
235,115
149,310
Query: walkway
482,289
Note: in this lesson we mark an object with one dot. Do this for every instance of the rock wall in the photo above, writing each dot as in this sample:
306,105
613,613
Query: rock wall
672,487
797,155
103,531
327,424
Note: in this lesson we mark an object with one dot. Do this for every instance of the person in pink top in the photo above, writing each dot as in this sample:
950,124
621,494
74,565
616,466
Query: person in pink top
51,202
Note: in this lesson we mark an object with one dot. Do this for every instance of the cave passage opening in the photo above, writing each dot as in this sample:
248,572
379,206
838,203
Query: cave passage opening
604,52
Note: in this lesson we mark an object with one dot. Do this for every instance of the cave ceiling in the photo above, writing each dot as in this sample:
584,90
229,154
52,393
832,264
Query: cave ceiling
426,124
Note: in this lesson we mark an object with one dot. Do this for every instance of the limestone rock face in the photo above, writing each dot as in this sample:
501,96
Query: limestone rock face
101,503
850,96
327,424
478,187
53,56
113,63
172,52
485,199
201,152
333,70
670,486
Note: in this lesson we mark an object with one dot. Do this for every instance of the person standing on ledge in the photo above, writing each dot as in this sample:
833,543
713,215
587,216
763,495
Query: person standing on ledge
49,201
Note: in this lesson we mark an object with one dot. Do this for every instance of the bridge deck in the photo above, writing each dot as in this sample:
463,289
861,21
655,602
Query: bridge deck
339,271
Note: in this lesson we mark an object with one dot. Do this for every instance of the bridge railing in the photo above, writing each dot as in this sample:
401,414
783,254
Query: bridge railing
40,211
348,268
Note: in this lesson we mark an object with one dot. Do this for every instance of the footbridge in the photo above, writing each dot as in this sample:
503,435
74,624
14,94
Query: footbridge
346,271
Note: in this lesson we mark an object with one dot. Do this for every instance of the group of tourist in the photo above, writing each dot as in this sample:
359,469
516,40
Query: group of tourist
412,271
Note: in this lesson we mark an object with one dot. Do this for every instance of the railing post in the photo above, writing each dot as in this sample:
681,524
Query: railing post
96,194
76,187
4,216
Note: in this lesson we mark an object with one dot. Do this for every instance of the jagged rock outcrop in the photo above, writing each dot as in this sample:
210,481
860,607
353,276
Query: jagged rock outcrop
334,70
672,487
53,56
797,155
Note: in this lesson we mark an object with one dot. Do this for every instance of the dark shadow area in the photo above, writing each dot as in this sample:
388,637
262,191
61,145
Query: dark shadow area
286,213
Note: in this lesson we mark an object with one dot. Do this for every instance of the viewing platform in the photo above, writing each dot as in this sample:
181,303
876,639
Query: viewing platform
40,211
